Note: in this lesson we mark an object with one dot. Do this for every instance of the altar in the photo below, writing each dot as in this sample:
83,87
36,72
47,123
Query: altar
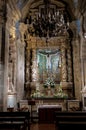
43,104
46,113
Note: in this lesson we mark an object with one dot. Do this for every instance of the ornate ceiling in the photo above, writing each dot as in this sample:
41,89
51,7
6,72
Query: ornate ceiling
75,8
27,5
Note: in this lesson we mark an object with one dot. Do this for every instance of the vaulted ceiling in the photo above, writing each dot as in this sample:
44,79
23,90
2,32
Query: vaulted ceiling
26,5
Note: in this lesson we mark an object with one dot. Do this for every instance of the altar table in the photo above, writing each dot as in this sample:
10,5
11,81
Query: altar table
46,113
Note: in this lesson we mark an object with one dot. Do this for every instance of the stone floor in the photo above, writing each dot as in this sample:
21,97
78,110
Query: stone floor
37,126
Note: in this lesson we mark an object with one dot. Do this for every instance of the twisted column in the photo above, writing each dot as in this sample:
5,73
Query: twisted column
69,66
34,66
63,64
27,67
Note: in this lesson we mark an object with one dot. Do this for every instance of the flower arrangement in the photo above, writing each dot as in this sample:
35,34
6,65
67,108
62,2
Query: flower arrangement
37,93
60,93
49,82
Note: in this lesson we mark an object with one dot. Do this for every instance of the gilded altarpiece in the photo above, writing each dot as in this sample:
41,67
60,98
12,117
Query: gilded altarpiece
48,59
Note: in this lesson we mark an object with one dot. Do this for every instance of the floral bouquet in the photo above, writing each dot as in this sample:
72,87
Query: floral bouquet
49,82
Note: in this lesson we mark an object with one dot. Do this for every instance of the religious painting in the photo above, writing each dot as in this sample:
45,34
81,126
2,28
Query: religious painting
49,63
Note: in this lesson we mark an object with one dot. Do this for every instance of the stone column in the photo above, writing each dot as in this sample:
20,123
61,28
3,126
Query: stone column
12,64
76,67
20,62
2,51
11,97
69,65
63,63
34,69
0,39
2,22
1,85
34,66
27,73
1,71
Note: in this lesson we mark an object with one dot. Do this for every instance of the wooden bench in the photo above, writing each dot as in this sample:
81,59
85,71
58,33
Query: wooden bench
14,120
70,120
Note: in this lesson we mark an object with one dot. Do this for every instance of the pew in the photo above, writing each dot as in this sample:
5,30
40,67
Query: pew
14,120
70,120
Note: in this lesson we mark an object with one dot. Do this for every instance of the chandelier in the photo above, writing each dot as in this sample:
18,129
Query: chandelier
49,21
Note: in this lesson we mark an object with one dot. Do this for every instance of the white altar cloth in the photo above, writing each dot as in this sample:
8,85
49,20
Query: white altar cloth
48,106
